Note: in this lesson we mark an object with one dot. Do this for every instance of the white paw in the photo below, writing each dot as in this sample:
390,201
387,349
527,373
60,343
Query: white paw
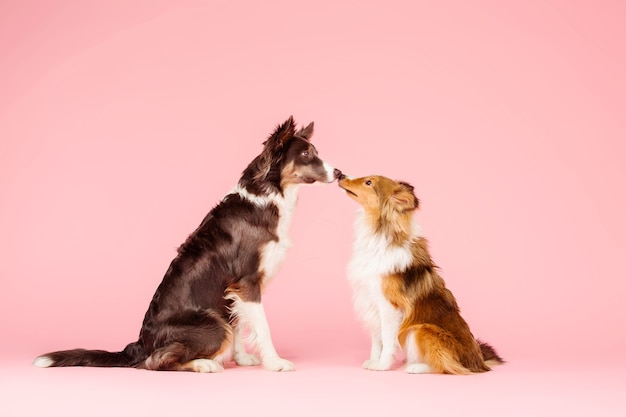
247,359
278,365
417,368
206,365
374,365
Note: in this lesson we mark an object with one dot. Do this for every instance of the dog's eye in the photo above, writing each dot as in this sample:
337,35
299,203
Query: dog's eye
368,182
305,154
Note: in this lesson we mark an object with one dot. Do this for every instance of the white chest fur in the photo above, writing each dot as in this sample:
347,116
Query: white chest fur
373,257
274,252
373,254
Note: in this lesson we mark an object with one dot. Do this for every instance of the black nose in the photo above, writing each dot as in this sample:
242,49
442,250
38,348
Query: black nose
338,174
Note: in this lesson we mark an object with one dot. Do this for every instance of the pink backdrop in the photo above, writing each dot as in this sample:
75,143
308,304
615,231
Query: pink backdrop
123,122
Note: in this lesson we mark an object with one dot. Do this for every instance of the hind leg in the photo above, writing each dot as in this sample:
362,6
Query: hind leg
171,358
203,365
439,351
193,341
414,364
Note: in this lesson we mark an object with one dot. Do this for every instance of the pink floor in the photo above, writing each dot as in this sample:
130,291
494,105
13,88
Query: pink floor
332,384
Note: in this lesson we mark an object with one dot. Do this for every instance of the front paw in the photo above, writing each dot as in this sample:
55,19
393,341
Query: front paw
374,365
246,359
278,365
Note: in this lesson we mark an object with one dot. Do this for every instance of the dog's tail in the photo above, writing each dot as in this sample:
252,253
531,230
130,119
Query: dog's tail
132,355
490,356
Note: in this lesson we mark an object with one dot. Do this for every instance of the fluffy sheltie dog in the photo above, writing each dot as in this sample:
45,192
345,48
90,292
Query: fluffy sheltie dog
213,287
398,291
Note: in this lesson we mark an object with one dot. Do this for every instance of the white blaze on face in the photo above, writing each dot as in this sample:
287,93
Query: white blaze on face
330,172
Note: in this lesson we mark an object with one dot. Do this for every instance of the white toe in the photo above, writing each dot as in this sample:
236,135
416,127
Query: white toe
247,359
279,365
206,365
417,368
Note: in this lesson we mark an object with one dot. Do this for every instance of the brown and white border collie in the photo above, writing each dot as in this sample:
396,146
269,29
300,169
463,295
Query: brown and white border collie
212,289
398,291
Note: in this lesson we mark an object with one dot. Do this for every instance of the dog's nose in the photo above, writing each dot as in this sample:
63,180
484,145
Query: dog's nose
338,174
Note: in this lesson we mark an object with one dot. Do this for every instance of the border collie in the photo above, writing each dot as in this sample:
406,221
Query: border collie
398,291
211,292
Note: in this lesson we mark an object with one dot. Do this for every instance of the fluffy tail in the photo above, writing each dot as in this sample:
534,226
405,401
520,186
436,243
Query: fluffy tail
490,356
132,355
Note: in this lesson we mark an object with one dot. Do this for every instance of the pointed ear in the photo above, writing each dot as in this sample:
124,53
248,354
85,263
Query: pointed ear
306,132
281,134
404,198
272,150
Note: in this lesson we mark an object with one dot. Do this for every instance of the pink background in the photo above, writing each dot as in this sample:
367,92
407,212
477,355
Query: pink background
123,122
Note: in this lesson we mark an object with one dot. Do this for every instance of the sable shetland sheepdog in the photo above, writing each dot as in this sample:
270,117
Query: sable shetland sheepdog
213,287
398,291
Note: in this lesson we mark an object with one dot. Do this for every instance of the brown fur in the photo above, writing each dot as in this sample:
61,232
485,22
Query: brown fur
431,314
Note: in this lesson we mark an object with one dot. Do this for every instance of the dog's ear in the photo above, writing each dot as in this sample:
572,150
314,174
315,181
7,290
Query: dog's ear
281,134
404,198
306,132
272,150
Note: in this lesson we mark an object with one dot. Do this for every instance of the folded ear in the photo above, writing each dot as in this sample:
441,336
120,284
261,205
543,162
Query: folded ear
404,198
306,132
